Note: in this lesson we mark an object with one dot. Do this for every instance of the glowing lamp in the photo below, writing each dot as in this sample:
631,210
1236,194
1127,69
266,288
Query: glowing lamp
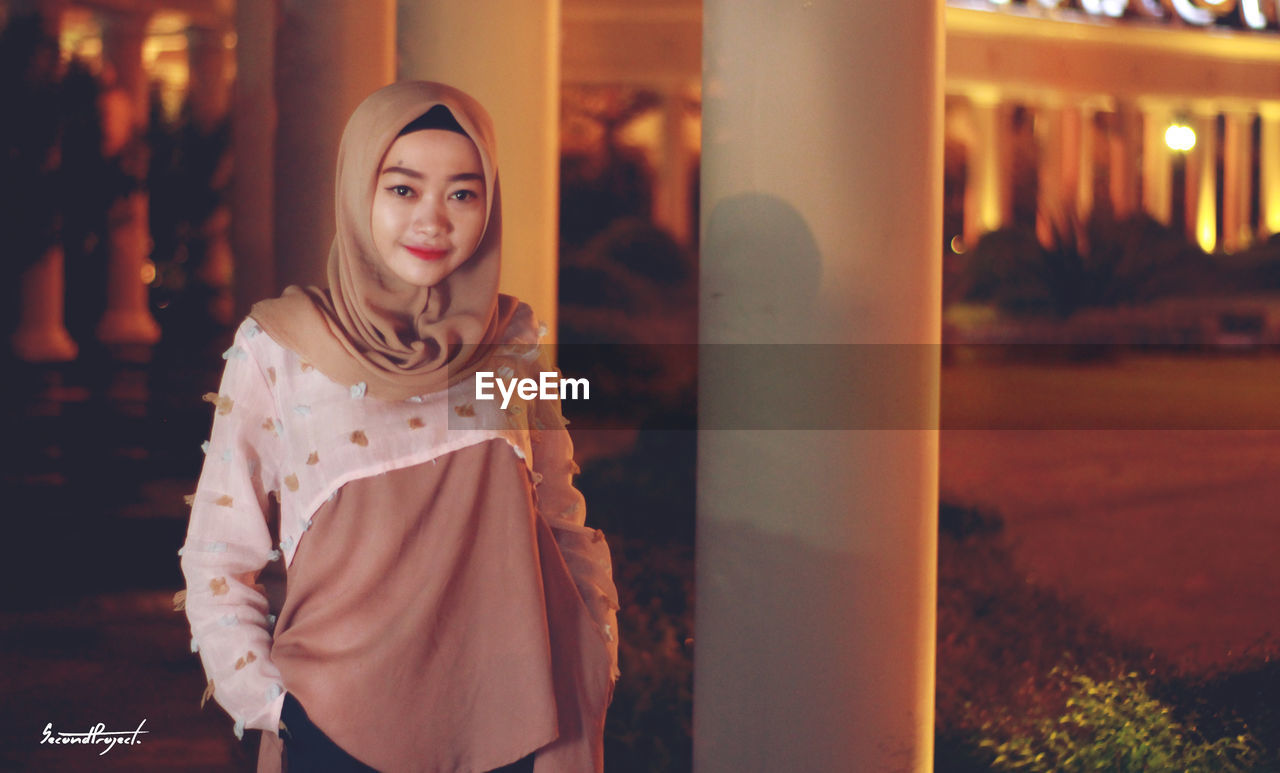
1180,138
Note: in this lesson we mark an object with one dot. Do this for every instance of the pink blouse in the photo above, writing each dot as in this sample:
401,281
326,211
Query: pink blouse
285,433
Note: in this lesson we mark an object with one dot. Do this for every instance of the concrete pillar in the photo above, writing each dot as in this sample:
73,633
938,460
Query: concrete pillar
122,36
209,63
1085,166
1237,179
1050,207
127,319
253,142
329,56
1124,151
671,210
518,80
210,97
983,195
1157,165
816,547
1269,169
42,335
1202,167
1071,130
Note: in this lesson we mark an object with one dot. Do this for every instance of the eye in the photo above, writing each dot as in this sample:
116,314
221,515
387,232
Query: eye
401,191
465,195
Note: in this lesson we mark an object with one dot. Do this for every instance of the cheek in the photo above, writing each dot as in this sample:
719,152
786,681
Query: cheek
383,227
475,229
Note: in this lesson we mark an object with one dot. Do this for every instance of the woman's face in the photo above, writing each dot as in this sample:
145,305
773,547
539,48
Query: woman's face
429,205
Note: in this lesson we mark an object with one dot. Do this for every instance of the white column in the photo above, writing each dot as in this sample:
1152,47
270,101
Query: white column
209,62
671,210
1237,179
983,200
329,56
816,548
253,129
41,335
1269,168
1123,160
518,80
210,96
1085,167
1202,162
1050,206
1157,164
127,319
122,36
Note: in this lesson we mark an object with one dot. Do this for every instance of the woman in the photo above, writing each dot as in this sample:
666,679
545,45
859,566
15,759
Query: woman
444,608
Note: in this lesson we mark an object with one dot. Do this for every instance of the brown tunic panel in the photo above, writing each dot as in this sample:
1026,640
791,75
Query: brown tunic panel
420,619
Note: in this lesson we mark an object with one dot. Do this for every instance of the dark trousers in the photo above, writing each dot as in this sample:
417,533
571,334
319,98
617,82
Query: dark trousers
308,750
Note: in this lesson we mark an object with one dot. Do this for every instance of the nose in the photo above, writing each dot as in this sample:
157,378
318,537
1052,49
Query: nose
430,219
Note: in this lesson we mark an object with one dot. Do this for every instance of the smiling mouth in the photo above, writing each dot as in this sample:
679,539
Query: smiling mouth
422,254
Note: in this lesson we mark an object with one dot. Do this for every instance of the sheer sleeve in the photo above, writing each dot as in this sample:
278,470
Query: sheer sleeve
229,542
562,506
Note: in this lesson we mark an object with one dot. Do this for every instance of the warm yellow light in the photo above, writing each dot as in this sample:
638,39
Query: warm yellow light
1180,138
957,244
1206,211
148,272
1206,234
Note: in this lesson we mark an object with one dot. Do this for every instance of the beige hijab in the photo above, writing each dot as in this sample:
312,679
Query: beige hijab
370,326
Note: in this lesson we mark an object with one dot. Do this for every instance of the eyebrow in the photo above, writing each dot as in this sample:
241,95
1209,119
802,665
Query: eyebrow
418,176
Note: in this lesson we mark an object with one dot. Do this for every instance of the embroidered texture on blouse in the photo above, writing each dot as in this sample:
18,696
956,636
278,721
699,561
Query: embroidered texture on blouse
285,436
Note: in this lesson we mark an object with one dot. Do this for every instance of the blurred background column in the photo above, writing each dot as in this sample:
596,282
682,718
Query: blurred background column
1071,132
518,79
1124,149
209,97
671,208
1157,164
329,55
1237,178
1269,169
1049,205
127,320
983,199
253,142
816,548
41,334
1202,174
123,33
1086,139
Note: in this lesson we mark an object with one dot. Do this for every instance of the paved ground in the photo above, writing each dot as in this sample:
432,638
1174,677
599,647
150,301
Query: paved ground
1170,536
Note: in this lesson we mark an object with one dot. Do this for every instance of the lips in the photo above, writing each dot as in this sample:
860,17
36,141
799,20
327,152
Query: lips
426,254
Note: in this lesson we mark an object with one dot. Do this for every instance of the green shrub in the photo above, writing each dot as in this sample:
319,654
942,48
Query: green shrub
1093,262
649,728
1116,726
